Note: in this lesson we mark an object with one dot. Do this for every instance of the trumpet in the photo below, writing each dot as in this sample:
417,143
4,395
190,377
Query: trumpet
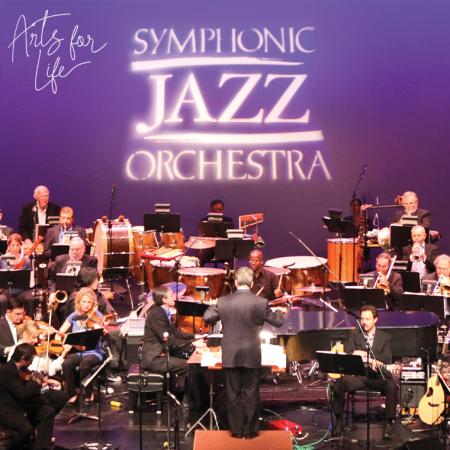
417,253
442,286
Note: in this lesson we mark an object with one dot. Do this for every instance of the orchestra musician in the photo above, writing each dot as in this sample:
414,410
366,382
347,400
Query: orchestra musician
24,409
242,315
55,234
36,212
5,231
77,254
420,255
382,352
410,203
85,316
264,282
14,317
442,265
388,280
160,336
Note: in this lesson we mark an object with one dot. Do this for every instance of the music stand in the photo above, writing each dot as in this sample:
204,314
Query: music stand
342,363
357,296
15,279
59,249
341,226
411,281
214,229
435,304
3,246
191,309
162,223
411,302
66,282
230,249
88,341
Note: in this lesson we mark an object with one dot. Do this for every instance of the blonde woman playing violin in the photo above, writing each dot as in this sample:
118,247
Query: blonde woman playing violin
84,317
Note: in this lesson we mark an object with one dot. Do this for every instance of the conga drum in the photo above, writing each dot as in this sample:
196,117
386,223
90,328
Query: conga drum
172,240
143,241
343,257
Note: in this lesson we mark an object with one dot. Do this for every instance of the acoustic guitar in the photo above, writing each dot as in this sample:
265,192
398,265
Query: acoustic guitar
432,404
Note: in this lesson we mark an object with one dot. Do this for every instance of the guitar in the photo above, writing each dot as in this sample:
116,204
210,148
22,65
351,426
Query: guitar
432,404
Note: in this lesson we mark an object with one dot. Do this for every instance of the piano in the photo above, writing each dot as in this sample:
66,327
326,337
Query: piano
304,332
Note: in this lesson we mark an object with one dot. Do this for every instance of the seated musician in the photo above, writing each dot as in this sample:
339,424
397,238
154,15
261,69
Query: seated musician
161,335
84,317
36,212
63,263
24,408
442,275
420,255
216,206
392,284
410,203
379,378
264,282
15,315
56,234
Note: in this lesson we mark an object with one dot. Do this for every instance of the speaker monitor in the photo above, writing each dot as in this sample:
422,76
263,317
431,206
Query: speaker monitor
410,394
222,440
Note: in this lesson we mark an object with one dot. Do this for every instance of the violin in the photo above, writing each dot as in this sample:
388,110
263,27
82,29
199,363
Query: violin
27,375
53,347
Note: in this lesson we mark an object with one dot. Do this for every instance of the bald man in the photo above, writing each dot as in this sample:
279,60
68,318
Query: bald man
264,282
36,212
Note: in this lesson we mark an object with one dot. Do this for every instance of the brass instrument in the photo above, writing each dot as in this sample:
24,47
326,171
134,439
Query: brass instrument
442,286
417,253
59,297
382,281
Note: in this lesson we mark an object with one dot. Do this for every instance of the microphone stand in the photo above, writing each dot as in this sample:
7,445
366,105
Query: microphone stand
139,400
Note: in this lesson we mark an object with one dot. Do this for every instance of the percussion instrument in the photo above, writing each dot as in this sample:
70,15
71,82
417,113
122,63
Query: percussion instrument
305,271
201,242
172,240
343,256
280,272
190,315
114,252
143,241
160,272
210,277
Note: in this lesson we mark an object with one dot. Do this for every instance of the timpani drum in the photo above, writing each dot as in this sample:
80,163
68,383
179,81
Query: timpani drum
305,271
143,241
161,272
283,274
343,257
114,252
172,240
213,278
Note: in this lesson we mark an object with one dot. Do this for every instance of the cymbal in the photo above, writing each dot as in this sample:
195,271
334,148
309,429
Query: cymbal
313,289
200,243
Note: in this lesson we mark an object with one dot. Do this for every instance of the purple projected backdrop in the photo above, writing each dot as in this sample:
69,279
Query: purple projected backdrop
273,107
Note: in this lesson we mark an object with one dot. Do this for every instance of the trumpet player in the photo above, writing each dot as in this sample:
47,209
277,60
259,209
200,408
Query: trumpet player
420,255
441,276
410,203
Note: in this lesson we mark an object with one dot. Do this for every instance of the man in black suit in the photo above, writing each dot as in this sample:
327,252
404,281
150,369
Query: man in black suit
55,234
393,285
23,410
15,315
379,378
5,231
242,315
160,336
410,203
420,255
36,212
64,263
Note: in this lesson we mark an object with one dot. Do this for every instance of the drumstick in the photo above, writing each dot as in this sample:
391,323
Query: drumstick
279,281
259,292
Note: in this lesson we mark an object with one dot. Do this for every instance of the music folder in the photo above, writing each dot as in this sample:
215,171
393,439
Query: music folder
19,279
342,363
357,296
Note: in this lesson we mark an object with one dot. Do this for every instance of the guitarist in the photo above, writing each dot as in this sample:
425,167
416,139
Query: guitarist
381,345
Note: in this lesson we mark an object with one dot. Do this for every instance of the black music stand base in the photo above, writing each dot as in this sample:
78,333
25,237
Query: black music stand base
213,421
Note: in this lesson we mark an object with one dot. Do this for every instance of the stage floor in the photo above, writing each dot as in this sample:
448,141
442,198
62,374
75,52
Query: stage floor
305,404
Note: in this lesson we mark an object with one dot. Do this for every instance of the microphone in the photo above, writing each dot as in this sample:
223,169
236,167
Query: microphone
165,336
113,192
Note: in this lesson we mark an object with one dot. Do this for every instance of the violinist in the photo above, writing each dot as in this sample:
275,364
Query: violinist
388,280
86,316
24,409
16,252
420,255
